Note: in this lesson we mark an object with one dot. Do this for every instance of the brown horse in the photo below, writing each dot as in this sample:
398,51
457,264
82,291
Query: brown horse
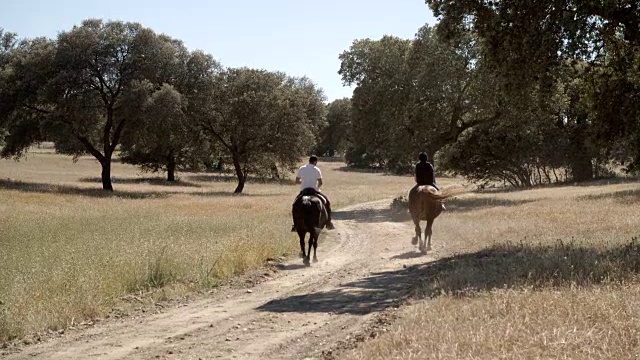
426,203
309,216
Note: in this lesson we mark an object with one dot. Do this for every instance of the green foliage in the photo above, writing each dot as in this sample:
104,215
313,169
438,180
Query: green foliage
8,43
166,136
589,48
162,139
505,91
104,85
414,96
26,67
525,40
378,69
335,135
81,90
518,153
263,120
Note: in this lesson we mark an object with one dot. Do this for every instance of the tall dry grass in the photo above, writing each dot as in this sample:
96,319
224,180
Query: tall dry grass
540,274
70,251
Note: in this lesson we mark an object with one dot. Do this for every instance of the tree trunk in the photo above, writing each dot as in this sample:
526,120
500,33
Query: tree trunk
171,169
242,177
546,174
106,174
579,157
581,169
539,175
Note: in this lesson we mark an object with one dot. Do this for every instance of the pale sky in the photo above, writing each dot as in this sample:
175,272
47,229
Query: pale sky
299,37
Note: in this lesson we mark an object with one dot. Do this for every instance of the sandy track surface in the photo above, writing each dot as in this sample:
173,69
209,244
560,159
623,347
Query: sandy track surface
301,313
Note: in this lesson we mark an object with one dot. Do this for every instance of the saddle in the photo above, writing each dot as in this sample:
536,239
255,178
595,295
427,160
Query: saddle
313,192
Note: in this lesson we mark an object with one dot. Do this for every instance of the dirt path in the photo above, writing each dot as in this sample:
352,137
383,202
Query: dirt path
300,313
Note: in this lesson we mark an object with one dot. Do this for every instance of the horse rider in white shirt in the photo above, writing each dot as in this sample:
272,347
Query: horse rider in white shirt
310,178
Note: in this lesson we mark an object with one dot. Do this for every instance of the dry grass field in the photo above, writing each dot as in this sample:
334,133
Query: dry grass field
70,251
542,273
539,274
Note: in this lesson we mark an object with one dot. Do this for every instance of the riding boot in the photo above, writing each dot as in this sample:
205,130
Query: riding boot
329,225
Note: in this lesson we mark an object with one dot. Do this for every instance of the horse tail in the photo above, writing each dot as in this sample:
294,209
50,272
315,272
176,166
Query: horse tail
311,213
434,194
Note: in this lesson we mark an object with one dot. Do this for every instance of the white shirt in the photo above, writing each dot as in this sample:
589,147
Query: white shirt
309,174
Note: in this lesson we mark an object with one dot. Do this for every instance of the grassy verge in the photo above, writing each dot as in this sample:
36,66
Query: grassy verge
545,273
70,252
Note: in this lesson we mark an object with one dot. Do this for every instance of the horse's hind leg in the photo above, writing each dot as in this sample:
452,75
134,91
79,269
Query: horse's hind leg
303,254
416,238
315,247
307,256
427,235
301,235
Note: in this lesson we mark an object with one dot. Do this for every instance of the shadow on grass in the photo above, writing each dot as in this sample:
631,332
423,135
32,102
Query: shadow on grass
607,181
526,265
218,177
44,188
361,170
498,267
380,171
227,194
159,181
623,196
465,204
230,178
597,182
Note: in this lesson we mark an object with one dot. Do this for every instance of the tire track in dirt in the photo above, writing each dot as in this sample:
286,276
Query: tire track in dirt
300,313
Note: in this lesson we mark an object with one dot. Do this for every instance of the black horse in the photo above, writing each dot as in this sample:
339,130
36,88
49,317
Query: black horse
309,216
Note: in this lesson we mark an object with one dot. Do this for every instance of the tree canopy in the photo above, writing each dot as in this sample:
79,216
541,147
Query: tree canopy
262,119
107,86
414,95
524,93
588,52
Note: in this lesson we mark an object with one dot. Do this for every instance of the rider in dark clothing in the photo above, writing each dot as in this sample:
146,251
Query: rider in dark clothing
424,176
424,172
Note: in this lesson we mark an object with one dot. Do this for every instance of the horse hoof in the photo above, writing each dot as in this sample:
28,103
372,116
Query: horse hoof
315,259
423,251
428,248
306,262
414,241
